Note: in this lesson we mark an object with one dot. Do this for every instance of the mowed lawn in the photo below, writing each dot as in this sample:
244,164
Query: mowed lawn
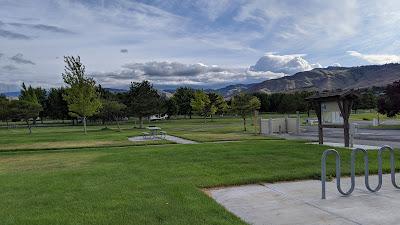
67,137
218,129
147,184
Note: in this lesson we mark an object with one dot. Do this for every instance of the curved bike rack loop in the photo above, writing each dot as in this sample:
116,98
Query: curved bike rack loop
352,170
338,173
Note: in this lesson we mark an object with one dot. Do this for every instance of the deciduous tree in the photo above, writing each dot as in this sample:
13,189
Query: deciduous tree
201,104
25,110
243,105
81,94
112,111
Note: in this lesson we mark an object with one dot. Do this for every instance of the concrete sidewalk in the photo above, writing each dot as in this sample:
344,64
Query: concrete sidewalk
300,203
167,137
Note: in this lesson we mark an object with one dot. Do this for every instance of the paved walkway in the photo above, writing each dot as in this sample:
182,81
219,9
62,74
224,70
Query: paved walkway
300,203
167,137
341,145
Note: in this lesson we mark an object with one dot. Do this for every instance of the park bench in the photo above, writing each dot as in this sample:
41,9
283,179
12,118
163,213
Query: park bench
163,134
146,135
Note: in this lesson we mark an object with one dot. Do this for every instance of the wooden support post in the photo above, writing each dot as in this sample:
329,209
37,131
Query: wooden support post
345,108
320,126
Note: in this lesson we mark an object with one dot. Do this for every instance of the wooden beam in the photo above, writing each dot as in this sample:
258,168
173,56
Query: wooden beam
320,126
346,126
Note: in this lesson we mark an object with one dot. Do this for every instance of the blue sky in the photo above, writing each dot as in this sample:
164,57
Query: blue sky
200,43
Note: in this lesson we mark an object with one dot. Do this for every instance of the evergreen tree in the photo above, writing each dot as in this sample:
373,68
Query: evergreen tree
219,102
172,107
56,107
183,97
389,103
5,112
143,100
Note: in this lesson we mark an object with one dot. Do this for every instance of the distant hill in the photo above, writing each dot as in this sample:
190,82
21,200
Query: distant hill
6,88
325,79
116,90
234,89
13,94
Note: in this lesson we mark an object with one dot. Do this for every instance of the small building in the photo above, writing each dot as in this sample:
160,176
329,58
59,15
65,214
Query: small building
333,110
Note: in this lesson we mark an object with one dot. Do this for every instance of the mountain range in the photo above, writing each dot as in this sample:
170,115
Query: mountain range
320,79
317,79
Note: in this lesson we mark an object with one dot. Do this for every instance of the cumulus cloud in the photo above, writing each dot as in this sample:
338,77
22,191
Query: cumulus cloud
286,64
176,73
19,58
376,58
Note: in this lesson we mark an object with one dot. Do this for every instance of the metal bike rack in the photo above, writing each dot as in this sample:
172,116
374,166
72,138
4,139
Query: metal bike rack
352,169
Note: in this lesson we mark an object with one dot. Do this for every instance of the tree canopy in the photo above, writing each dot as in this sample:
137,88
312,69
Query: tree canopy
243,105
389,103
183,97
56,107
201,104
81,94
143,100
25,110
112,111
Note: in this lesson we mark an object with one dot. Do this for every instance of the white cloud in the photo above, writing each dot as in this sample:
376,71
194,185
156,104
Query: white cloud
176,74
316,21
376,58
287,64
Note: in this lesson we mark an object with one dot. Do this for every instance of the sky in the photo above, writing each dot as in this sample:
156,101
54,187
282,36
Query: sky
203,43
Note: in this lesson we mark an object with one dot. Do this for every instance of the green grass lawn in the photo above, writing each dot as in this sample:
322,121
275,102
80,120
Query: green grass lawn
218,129
67,137
147,184
102,178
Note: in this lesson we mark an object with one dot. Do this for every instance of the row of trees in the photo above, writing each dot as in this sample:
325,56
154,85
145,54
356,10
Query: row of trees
83,99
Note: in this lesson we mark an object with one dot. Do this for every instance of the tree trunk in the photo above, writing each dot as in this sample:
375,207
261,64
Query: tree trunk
244,124
205,118
255,122
119,128
140,122
8,127
29,126
84,124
